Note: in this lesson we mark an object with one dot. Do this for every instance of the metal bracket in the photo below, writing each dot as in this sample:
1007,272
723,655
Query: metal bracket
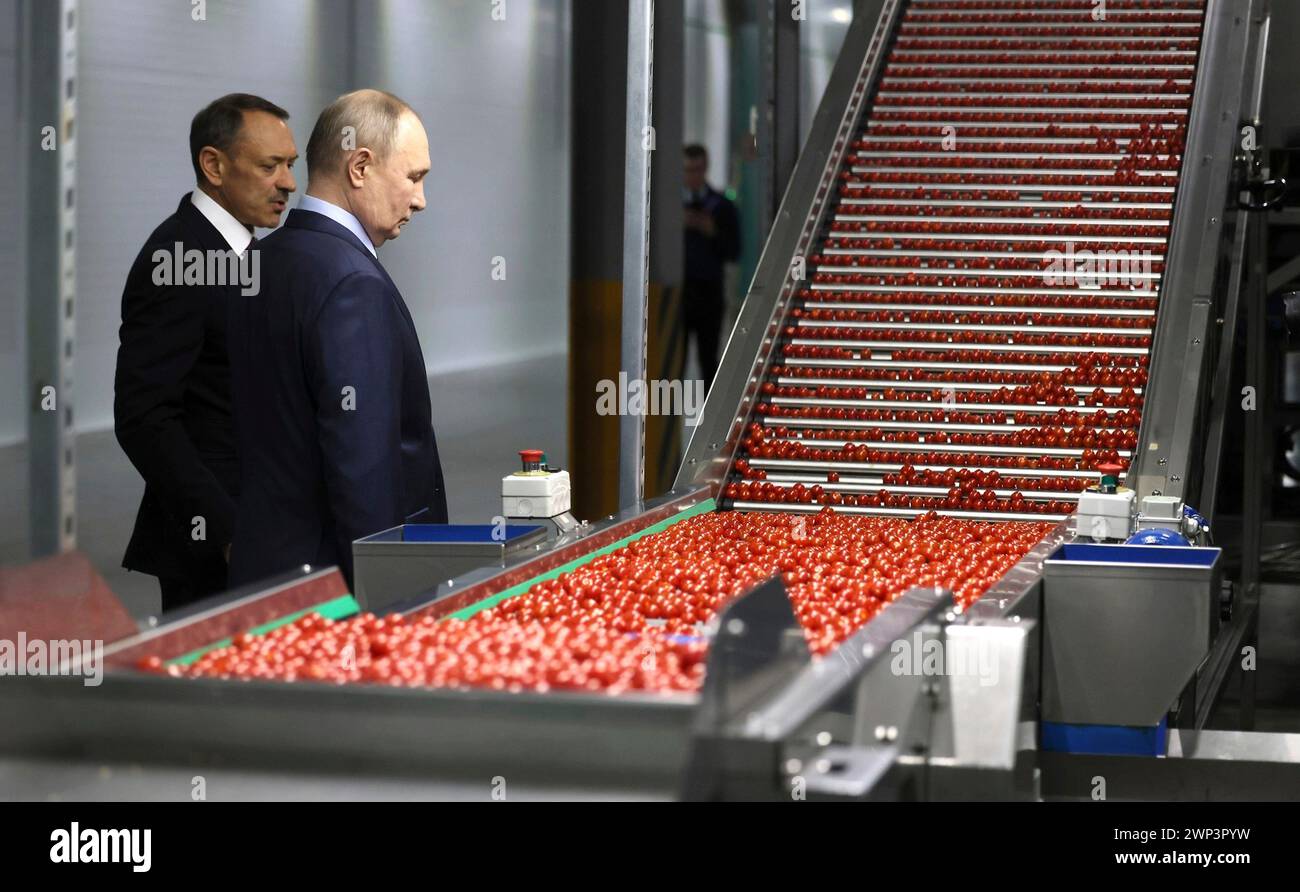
848,771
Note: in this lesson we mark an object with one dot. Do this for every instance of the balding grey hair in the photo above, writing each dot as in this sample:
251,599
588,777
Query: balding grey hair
374,116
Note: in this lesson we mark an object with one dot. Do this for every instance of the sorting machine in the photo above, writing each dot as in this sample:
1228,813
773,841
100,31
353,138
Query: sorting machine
1003,285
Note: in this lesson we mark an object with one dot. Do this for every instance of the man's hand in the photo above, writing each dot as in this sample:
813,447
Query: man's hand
701,221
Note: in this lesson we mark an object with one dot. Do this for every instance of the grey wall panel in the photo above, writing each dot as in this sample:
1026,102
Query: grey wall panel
709,72
146,68
13,372
708,86
494,98
820,37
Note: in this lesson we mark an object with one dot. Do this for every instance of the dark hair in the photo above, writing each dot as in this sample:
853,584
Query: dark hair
696,152
218,125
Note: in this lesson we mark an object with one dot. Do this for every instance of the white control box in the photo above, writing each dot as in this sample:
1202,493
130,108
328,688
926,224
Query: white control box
1106,515
1161,511
535,494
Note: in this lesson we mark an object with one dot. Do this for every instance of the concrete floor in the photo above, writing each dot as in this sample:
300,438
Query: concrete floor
482,419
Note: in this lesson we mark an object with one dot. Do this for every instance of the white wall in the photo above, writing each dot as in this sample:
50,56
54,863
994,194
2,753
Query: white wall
494,96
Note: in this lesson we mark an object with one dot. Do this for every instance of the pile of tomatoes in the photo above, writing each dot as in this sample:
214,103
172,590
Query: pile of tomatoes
634,619
485,651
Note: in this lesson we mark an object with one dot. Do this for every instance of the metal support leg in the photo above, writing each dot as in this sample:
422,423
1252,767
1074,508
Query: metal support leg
1248,678
1223,402
1258,458
47,114
778,125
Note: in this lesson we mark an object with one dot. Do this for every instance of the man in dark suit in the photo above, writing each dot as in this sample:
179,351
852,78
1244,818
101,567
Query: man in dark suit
712,240
171,407
331,394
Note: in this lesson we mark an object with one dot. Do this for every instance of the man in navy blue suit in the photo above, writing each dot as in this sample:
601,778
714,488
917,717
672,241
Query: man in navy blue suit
330,392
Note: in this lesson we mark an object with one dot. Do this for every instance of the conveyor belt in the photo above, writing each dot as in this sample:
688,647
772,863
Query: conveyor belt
974,332
914,336
948,352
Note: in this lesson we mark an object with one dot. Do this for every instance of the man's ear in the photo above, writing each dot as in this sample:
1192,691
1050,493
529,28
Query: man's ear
213,163
359,166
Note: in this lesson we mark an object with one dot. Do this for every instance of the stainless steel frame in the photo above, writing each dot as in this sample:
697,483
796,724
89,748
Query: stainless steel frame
1121,637
1169,442
639,139
47,46
388,570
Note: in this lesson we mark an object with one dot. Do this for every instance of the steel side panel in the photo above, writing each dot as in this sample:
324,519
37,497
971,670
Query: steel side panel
1164,455
357,727
1120,643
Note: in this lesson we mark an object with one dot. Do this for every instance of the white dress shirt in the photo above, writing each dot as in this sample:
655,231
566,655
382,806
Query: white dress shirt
235,233
339,216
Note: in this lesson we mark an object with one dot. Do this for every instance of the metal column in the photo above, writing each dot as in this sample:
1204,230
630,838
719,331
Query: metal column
636,240
778,124
47,106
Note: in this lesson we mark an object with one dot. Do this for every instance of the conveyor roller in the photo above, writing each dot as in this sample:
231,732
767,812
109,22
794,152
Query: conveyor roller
975,329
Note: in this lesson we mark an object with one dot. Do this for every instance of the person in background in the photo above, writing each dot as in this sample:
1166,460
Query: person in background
712,240
171,402
331,391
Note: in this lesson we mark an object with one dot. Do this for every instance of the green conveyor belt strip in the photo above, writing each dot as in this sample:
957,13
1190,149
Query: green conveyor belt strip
465,613
339,608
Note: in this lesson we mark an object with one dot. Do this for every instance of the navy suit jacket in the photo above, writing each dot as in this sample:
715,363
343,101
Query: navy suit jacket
331,404
171,410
